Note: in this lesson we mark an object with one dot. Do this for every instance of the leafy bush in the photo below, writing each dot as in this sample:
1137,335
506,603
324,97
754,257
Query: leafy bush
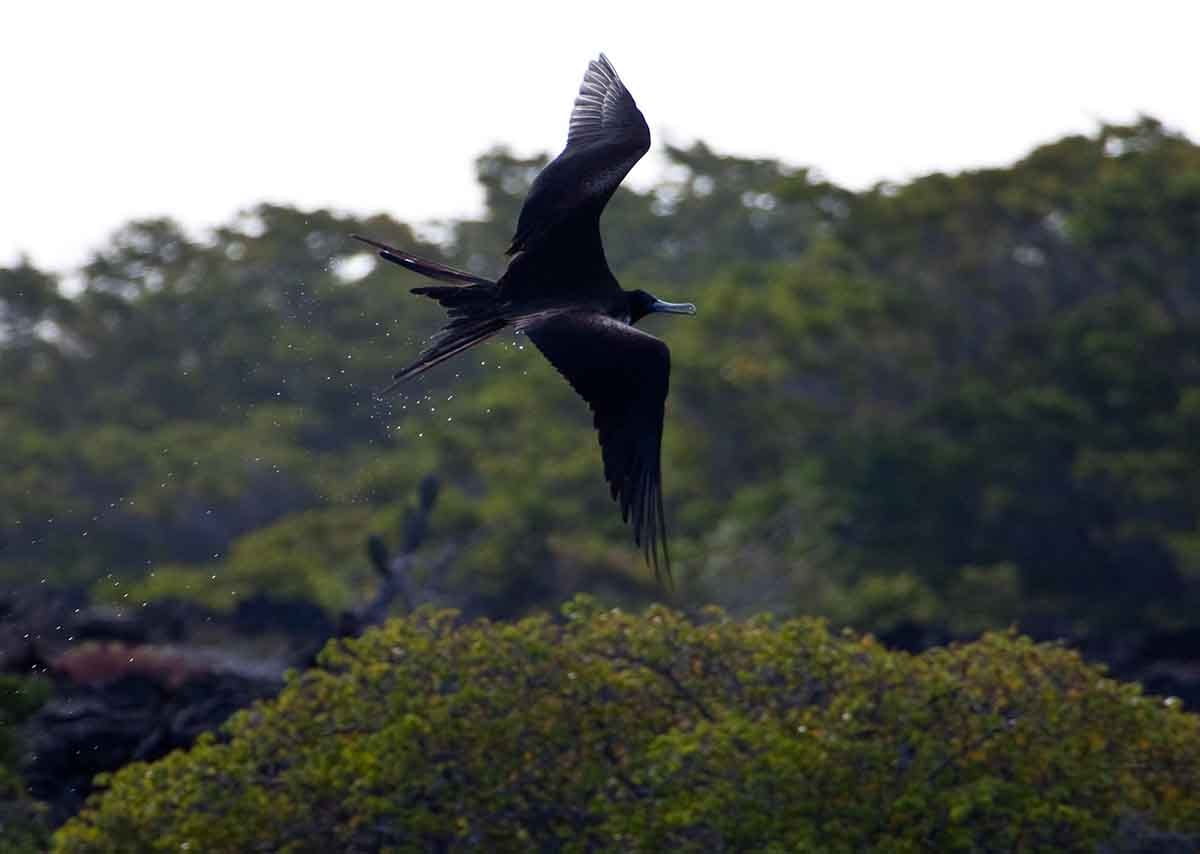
610,731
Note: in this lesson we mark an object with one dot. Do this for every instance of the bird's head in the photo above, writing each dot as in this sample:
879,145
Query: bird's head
642,303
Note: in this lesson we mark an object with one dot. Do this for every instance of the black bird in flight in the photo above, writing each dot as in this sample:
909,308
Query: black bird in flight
559,291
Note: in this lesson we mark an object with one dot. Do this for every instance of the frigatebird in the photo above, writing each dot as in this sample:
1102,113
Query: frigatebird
559,291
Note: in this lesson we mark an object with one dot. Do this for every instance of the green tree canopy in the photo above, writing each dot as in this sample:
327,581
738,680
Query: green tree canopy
967,400
650,732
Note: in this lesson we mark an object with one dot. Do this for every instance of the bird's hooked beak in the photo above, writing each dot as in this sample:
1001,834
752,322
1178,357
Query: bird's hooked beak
672,307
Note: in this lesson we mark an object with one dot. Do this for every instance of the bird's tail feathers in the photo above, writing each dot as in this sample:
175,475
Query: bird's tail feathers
460,301
459,335
432,269
473,303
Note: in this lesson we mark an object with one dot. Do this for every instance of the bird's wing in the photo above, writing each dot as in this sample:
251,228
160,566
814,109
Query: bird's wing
605,111
606,137
624,375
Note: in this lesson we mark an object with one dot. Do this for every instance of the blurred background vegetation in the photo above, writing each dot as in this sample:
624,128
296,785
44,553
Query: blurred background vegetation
967,401
922,410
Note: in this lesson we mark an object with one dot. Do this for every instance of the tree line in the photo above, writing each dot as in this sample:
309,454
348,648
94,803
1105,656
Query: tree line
964,401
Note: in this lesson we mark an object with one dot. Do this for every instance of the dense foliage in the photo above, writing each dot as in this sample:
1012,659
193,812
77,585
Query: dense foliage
22,825
653,732
955,404
967,400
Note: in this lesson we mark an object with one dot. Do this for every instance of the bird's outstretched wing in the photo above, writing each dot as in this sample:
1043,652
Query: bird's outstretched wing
624,375
606,137
604,110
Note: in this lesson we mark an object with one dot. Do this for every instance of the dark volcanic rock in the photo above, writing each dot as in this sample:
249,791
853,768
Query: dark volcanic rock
127,684
102,724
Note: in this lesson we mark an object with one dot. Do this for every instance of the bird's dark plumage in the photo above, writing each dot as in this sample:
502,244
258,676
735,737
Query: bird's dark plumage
432,269
606,137
623,374
559,290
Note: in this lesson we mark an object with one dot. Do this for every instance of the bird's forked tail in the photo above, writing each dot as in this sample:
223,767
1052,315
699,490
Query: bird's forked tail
472,302
458,335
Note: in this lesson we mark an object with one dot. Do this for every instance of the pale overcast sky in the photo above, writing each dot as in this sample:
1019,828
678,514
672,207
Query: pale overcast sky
195,110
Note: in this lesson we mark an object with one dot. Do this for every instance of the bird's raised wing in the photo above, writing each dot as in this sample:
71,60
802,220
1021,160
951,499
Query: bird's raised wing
605,111
623,374
606,137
